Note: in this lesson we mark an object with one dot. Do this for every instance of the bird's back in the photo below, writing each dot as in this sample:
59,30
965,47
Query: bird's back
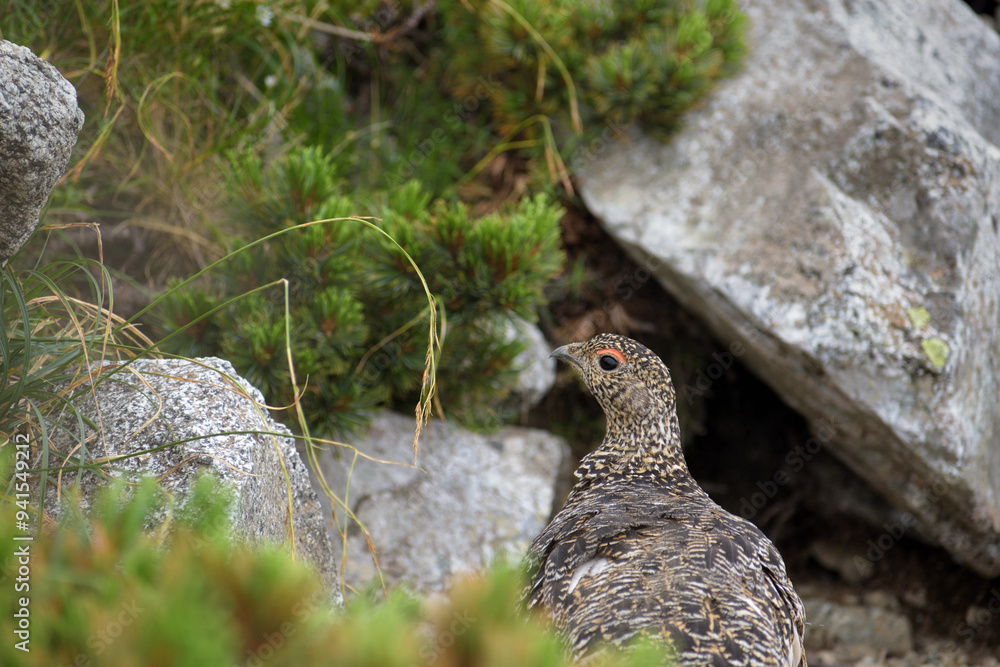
637,558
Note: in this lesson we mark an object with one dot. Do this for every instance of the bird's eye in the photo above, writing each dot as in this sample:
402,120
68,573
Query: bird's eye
608,362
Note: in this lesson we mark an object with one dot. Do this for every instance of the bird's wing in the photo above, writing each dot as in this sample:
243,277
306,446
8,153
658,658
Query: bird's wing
788,607
765,605
709,582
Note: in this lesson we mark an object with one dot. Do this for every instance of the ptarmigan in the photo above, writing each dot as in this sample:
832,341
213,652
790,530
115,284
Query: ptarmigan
640,549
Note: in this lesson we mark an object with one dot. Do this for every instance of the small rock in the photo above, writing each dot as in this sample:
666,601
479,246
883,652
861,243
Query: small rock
977,616
856,630
537,373
916,596
842,559
881,600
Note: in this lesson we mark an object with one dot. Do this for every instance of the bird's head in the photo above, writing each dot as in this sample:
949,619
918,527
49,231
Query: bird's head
630,382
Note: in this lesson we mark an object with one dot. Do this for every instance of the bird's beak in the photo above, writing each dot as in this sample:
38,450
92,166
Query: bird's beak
566,354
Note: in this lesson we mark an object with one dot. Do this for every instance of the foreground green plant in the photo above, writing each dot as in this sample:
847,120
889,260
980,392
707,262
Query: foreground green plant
105,591
146,580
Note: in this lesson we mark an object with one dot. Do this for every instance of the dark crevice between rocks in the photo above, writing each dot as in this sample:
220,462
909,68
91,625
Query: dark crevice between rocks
750,451
987,7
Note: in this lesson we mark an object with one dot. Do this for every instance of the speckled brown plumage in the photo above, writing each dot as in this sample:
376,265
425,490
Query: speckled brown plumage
640,549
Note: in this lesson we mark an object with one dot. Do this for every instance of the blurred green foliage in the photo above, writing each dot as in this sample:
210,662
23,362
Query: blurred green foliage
164,86
142,579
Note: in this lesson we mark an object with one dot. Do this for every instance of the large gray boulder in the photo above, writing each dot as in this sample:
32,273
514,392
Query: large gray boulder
468,500
222,426
833,214
39,122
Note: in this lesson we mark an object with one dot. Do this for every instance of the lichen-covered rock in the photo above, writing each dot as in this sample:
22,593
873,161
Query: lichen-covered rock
221,426
835,209
470,498
39,122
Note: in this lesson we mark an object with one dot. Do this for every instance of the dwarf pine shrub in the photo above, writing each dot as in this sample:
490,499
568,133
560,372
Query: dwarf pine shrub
532,74
592,64
357,310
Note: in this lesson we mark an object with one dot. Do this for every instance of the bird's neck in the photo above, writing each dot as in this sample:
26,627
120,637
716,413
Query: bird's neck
650,448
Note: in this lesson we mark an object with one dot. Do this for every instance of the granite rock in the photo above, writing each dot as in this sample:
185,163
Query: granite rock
39,123
207,408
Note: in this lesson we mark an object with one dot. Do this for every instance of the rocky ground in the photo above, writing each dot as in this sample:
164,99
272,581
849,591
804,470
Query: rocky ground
875,593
